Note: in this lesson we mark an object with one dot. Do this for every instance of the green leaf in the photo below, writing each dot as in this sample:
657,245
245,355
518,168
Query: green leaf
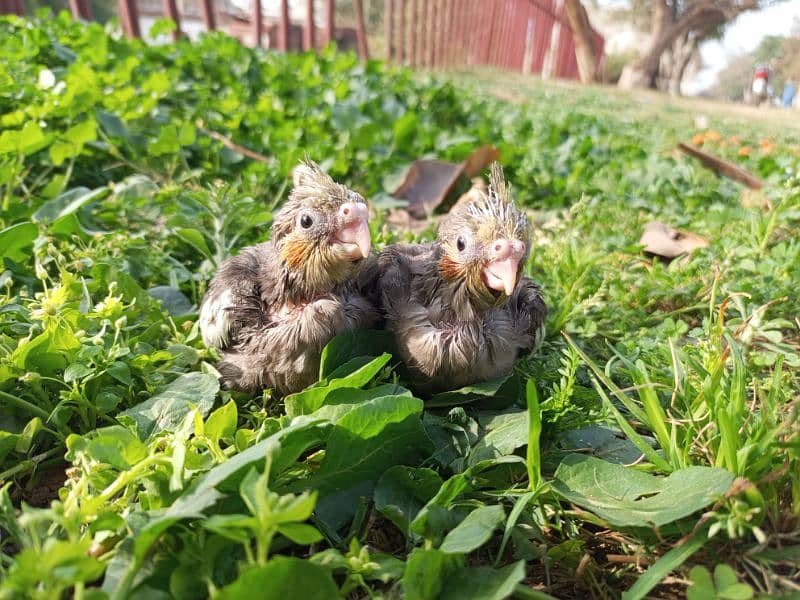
172,299
533,458
427,571
300,533
483,583
628,498
120,371
404,129
505,432
283,577
116,446
353,374
16,242
402,491
474,531
194,238
353,344
76,371
497,393
221,424
67,203
32,138
167,409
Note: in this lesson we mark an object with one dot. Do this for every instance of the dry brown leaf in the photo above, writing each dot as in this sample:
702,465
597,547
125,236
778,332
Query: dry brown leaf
428,182
662,240
426,185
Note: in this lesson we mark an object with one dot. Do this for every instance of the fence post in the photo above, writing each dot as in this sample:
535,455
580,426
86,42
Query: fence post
129,15
388,16
330,33
413,30
80,9
209,18
401,31
283,27
361,30
258,24
308,31
171,8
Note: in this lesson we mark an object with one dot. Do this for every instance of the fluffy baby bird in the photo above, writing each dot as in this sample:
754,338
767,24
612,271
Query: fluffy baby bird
459,308
272,308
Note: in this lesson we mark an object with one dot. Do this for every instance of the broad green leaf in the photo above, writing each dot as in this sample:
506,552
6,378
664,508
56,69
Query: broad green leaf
402,491
605,442
16,242
483,583
116,446
221,424
68,203
353,374
120,371
353,344
505,432
496,393
283,577
371,438
167,409
300,533
628,498
474,531
172,299
76,371
195,239
427,572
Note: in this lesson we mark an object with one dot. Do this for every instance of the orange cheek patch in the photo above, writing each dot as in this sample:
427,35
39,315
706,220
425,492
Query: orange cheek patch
295,253
450,269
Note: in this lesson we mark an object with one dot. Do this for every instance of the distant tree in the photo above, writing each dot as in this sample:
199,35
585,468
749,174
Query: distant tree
582,33
674,20
102,10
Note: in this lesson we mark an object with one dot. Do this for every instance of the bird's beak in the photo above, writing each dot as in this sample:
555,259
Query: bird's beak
500,273
352,237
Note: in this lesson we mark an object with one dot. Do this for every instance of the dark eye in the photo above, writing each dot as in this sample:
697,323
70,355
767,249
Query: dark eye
306,221
461,243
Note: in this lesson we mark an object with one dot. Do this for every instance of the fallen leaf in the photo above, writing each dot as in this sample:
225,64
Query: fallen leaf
429,181
662,240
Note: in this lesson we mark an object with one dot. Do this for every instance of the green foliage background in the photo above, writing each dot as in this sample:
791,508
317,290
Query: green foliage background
117,207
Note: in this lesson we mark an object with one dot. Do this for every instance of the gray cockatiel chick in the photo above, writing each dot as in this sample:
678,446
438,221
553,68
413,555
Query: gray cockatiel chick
459,308
272,308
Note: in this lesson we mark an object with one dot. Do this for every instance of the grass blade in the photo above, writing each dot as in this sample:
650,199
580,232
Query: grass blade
664,565
533,456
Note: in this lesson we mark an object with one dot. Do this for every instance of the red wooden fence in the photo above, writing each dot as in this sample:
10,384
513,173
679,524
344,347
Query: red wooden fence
531,36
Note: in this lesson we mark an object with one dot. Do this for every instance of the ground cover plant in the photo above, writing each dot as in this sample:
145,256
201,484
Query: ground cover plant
651,445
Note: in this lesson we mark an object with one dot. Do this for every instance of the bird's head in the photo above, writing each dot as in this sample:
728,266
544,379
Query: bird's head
321,232
485,244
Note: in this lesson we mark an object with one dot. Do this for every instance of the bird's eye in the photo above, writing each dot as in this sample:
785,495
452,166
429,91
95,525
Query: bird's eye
306,221
461,243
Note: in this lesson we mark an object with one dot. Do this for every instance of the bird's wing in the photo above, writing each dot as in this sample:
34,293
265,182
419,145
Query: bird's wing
234,298
529,312
404,293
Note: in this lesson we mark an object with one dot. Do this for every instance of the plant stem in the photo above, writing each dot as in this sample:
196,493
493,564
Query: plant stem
25,405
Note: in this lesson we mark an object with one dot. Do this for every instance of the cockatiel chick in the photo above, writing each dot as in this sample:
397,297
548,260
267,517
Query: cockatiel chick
273,307
459,308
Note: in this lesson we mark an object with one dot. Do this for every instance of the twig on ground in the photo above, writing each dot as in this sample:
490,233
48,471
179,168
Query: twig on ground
230,144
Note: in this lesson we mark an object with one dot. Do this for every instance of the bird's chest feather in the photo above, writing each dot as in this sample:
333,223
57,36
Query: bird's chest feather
486,344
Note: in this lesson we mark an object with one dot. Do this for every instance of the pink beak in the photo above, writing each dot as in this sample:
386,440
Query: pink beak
501,272
353,233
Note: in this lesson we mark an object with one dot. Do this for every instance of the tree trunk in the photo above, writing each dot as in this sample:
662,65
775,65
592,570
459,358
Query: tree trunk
682,52
666,28
583,35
